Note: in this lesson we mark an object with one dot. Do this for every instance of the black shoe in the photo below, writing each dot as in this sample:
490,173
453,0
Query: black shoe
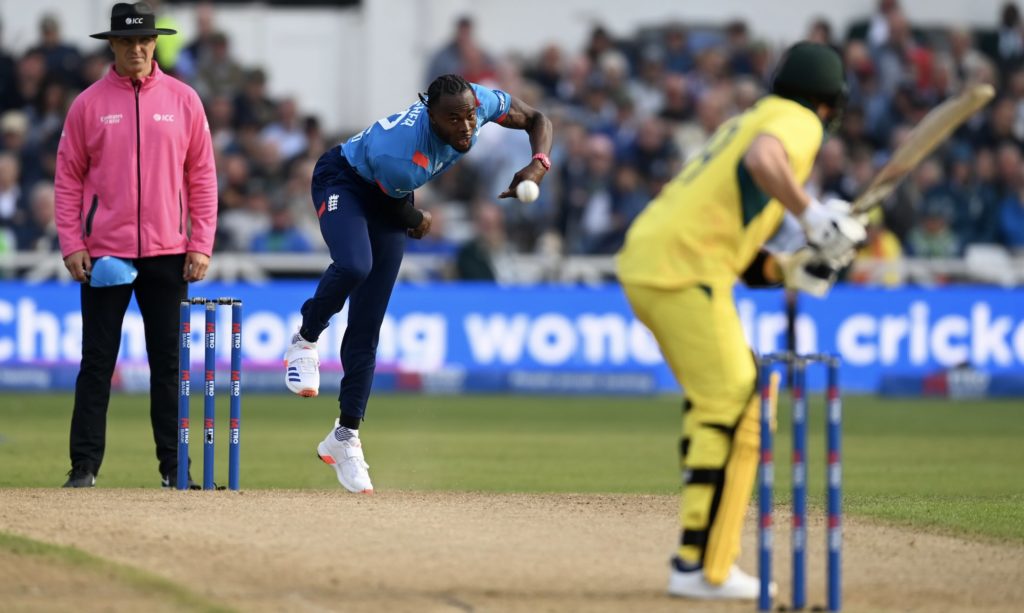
170,481
81,476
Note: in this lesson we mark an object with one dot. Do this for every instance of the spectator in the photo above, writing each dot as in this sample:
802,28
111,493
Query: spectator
8,81
678,57
95,66
282,235
548,72
737,42
832,173
1011,217
62,60
820,32
1010,45
932,237
14,139
199,47
977,219
218,73
999,127
462,55
596,211
177,190
878,261
678,106
39,231
46,116
653,153
879,24
647,90
12,205
712,109
474,260
31,77
965,59
252,105
287,132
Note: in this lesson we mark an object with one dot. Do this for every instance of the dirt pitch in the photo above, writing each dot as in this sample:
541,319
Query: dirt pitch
406,551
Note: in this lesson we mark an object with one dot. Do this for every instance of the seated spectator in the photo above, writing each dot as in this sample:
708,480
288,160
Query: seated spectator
547,73
237,228
283,236
678,106
39,231
712,109
218,73
62,60
977,219
12,204
832,171
474,260
14,140
932,238
31,75
287,131
252,105
1011,221
878,261
8,80
678,56
462,55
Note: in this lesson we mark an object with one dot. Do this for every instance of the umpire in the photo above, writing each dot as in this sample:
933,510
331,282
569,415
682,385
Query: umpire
136,210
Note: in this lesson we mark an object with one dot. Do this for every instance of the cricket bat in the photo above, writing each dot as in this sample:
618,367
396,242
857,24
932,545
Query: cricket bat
926,136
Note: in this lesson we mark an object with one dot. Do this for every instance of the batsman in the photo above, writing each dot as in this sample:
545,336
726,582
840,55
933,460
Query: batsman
682,256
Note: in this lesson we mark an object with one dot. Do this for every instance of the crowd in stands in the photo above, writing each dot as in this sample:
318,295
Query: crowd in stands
628,113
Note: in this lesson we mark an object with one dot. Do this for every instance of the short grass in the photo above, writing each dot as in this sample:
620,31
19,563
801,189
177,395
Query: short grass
939,465
129,576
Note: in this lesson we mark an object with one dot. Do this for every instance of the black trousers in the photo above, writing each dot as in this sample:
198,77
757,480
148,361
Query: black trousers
158,289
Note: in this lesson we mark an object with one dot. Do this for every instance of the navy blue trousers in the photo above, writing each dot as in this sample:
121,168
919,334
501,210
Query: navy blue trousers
366,240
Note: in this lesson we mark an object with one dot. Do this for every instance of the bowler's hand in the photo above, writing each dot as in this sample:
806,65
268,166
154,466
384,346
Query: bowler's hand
195,266
79,264
534,171
424,228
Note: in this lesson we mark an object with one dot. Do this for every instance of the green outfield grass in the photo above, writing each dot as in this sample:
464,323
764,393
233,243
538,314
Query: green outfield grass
941,465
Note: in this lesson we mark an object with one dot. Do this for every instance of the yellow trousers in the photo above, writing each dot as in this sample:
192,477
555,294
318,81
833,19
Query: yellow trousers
700,336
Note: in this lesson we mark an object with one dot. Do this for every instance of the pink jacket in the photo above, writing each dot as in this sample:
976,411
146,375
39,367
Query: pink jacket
135,172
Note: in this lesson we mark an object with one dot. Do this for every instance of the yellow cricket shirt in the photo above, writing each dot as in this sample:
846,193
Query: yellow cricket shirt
708,223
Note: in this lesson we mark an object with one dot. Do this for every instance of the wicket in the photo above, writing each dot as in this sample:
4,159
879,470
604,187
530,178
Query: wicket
209,390
834,411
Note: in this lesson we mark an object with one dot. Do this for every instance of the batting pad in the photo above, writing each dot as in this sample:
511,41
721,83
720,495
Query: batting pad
740,473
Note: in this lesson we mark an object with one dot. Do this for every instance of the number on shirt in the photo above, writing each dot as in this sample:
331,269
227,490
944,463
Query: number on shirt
718,141
387,123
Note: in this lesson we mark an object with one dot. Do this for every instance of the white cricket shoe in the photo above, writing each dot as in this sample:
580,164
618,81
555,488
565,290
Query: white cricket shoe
737,586
302,375
346,457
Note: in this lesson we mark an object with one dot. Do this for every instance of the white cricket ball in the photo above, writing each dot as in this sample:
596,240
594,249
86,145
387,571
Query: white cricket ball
527,191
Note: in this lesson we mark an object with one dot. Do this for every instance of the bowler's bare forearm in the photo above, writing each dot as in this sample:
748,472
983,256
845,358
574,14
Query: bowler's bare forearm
522,116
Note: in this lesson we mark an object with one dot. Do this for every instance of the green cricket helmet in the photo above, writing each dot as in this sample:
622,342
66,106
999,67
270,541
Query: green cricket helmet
811,72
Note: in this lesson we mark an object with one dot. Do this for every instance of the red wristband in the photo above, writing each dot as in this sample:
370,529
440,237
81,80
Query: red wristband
545,162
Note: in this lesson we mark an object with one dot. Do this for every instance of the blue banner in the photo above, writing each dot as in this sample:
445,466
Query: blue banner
469,337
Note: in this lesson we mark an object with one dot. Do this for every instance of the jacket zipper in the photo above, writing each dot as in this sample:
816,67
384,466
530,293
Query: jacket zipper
91,214
181,212
138,162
